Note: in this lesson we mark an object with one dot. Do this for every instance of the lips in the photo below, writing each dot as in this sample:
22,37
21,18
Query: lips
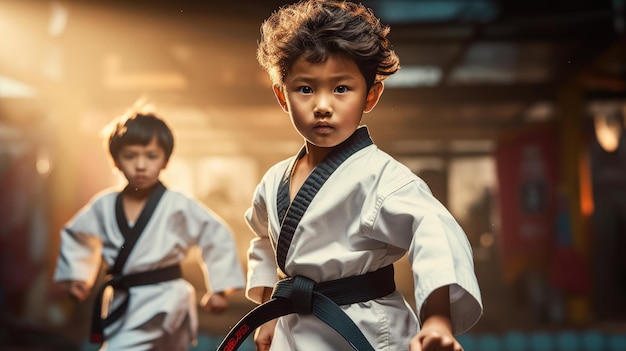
141,179
323,128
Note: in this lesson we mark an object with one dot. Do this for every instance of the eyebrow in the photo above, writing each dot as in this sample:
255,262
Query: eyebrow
342,77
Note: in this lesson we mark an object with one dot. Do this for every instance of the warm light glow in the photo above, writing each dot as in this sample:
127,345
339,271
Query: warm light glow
43,164
607,132
414,76
116,78
58,19
586,193
10,88
486,239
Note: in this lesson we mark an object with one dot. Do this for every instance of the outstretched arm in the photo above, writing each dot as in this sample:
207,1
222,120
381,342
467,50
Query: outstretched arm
436,332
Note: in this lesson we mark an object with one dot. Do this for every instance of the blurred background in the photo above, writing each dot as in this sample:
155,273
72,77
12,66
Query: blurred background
512,111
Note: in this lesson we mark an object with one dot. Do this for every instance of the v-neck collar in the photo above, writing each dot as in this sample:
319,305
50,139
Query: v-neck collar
146,211
131,235
290,212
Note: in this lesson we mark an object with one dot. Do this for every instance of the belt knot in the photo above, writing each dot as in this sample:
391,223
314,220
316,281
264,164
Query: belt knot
118,281
302,294
299,291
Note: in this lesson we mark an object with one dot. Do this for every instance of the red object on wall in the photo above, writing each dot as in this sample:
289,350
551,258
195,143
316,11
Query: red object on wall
17,269
527,176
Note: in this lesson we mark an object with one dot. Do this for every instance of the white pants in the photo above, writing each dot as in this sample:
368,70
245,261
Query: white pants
150,337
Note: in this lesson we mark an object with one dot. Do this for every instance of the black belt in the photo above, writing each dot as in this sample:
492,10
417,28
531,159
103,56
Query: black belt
124,283
304,296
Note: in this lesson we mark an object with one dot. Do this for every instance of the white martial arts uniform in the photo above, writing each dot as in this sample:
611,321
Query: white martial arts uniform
366,216
177,224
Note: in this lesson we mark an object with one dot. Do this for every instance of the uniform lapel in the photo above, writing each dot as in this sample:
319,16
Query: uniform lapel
291,214
131,235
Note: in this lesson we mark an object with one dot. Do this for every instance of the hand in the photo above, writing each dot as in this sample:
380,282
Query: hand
214,303
264,334
435,336
77,290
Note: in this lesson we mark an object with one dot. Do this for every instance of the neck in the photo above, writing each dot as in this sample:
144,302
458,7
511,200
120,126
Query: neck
315,154
138,194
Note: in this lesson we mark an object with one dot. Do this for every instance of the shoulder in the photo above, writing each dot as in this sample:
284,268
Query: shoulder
275,173
178,195
178,198
387,170
100,204
176,202
279,168
104,196
189,204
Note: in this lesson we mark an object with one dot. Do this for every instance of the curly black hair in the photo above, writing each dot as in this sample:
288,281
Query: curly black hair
315,29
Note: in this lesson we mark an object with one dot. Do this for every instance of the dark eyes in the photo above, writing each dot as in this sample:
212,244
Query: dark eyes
308,90
130,156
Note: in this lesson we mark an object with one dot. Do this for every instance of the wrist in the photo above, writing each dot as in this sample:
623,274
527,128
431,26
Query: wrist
438,321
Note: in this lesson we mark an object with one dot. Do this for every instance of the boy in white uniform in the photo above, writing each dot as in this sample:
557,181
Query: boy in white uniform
336,216
152,307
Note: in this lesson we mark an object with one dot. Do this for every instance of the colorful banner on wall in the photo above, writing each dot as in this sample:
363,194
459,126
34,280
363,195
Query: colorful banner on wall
527,176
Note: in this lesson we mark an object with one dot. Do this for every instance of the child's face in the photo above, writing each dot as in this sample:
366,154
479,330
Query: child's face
141,164
326,101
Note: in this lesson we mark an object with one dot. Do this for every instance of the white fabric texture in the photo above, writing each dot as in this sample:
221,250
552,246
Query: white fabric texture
178,223
369,213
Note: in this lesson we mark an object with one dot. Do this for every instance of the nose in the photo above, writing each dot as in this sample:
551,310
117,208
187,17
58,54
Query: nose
141,163
323,106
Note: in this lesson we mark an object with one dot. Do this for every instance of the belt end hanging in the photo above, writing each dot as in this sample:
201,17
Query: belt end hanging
96,338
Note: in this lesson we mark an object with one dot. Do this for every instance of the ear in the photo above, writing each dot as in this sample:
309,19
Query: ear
373,96
280,96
